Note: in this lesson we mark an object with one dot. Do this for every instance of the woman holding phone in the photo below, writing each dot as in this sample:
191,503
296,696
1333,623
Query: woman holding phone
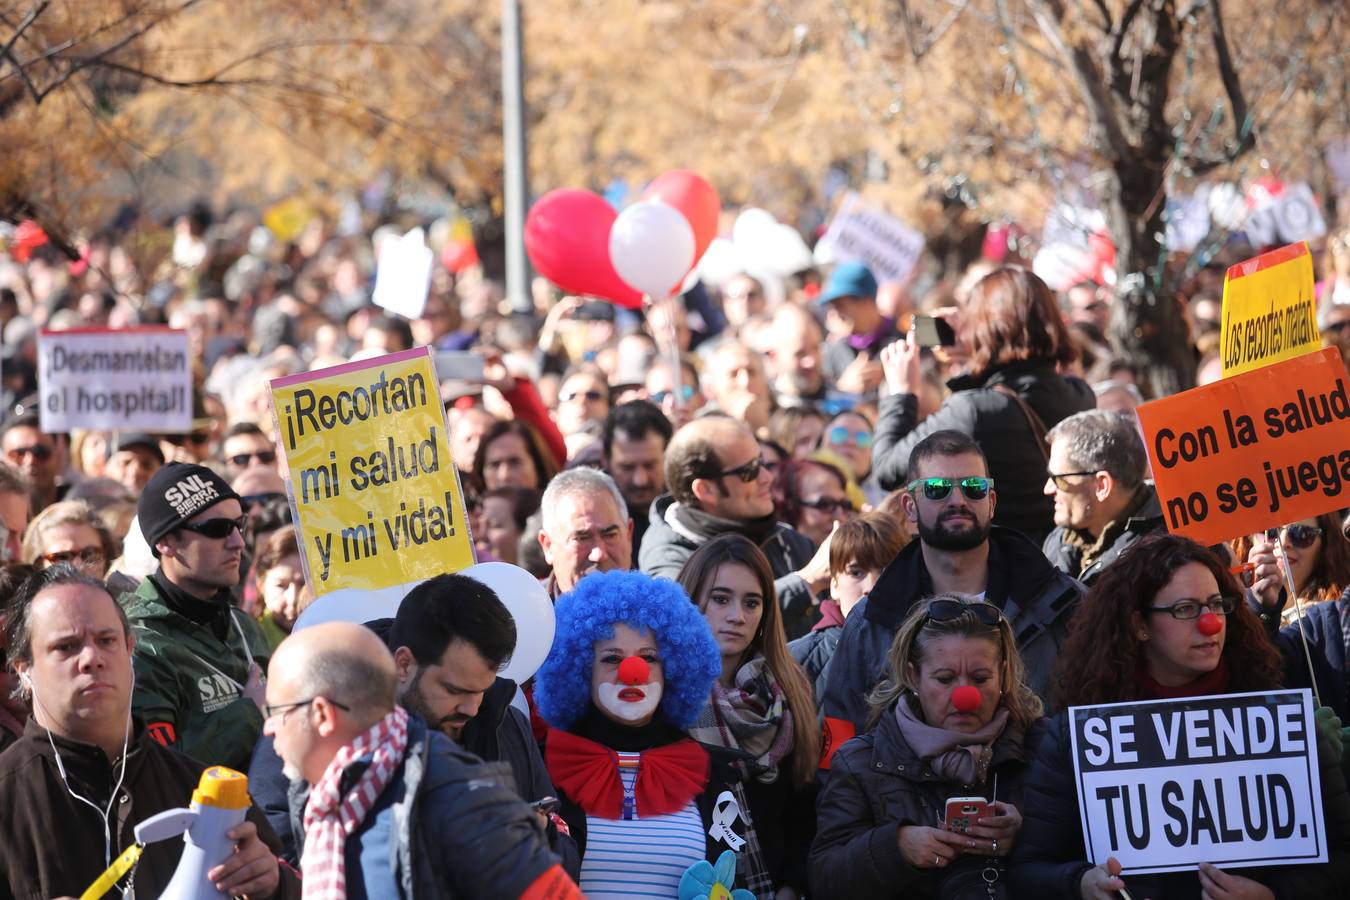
925,804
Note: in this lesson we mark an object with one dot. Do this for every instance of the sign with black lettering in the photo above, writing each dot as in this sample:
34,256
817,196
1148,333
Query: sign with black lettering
115,379
1231,780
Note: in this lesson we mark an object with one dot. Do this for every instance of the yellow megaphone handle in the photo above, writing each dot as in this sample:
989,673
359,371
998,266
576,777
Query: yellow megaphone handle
108,880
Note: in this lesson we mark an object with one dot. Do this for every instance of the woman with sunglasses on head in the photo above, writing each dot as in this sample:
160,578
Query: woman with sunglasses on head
812,496
72,532
1319,561
1165,621
763,707
1011,394
953,719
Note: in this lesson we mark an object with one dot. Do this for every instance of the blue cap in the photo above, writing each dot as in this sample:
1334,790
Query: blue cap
850,279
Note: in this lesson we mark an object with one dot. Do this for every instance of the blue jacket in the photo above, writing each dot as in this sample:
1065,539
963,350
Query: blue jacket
458,828
1326,642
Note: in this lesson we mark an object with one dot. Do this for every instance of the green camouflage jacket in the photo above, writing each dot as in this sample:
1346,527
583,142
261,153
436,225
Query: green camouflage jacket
189,684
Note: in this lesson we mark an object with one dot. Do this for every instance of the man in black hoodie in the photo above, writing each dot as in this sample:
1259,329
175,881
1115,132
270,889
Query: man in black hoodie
950,499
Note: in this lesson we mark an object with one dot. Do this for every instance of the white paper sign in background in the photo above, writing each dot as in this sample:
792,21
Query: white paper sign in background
133,379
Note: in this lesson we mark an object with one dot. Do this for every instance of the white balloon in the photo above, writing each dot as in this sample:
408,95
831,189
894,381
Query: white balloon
652,247
349,605
529,605
783,251
750,224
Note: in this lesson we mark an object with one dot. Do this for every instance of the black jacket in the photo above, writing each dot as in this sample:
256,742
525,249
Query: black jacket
1068,558
999,426
669,543
462,831
1326,643
878,784
1036,597
52,845
1049,859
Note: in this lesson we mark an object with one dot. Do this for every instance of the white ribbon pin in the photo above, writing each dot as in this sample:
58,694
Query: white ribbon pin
725,813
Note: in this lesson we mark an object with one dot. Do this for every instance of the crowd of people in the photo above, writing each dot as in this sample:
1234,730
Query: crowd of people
813,576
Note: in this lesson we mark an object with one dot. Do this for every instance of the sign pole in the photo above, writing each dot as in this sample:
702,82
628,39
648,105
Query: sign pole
1298,612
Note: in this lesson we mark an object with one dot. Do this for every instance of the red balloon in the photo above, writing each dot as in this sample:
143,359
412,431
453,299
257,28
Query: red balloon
1209,624
691,195
634,670
966,699
567,239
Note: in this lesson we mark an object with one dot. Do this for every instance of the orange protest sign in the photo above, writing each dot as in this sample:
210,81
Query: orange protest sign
1253,451
1269,311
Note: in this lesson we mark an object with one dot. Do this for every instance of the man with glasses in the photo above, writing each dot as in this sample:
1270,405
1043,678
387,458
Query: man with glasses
199,659
950,501
718,484
35,454
1102,502
245,445
394,808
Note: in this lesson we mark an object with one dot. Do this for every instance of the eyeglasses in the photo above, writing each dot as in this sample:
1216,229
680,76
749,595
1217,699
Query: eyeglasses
590,396
747,472
1063,485
1301,536
86,556
840,435
974,487
270,711
241,460
196,437
40,452
1191,609
829,504
686,394
951,610
1245,573
216,528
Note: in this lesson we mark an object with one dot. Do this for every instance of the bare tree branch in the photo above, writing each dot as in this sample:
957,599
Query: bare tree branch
1095,95
1244,133
1123,27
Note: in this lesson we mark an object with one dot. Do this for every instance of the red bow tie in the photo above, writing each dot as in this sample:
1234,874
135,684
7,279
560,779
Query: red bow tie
668,777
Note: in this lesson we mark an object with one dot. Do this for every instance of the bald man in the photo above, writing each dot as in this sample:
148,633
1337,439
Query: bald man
462,830
719,485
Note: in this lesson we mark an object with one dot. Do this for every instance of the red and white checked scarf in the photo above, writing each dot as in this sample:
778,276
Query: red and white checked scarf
330,817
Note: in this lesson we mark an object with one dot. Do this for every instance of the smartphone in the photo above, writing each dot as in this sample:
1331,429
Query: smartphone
963,812
545,805
459,365
931,331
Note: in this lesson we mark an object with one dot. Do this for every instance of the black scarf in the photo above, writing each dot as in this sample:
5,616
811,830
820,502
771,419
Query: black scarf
213,613
710,526
595,726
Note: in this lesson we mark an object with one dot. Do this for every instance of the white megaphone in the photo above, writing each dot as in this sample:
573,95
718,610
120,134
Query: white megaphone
219,803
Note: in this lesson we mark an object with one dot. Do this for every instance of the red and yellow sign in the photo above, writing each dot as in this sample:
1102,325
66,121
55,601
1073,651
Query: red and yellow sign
1269,310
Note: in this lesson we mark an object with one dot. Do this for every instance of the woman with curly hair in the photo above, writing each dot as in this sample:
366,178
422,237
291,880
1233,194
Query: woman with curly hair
632,663
1165,621
762,706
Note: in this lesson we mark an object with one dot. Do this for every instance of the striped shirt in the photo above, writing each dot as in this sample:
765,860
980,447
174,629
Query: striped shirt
633,857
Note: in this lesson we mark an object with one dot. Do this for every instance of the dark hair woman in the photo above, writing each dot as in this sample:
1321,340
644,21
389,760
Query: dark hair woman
1009,397
762,706
811,495
1165,621
954,718
512,454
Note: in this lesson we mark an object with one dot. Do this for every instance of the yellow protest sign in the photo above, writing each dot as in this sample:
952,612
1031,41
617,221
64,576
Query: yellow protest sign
1269,310
375,493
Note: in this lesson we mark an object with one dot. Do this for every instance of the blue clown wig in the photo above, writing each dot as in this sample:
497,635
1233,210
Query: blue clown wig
588,613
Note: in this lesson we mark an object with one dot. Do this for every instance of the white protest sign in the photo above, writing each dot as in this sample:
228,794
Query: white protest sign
1338,163
131,379
1187,222
403,274
862,233
1288,217
1230,780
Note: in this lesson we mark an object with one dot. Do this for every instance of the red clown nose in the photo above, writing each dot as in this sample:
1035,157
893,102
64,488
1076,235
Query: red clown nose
1209,624
966,699
633,670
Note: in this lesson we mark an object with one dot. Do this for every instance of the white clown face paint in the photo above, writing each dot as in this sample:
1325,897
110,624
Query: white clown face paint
635,704
627,678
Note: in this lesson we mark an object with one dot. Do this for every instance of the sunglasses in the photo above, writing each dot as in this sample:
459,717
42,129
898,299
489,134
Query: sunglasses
197,437
591,396
951,610
241,460
1191,609
974,487
840,435
273,497
216,528
686,394
1245,573
1060,481
747,473
40,452
1301,536
87,556
830,505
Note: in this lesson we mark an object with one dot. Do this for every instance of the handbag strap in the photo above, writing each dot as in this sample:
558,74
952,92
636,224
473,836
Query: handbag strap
1038,428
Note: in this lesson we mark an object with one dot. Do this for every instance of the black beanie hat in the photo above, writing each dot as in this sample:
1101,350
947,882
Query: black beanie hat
175,493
